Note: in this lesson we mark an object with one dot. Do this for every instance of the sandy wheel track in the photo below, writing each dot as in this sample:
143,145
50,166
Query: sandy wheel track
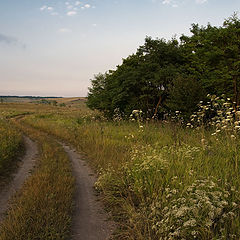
89,219
28,162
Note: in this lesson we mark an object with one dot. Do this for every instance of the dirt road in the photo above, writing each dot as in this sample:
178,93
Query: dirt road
89,219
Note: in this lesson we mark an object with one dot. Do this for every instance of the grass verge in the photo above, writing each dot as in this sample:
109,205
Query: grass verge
11,147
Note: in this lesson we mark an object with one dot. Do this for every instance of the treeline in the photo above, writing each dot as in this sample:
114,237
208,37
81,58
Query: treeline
168,76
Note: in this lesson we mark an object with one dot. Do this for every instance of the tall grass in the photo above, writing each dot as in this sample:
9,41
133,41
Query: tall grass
11,145
160,180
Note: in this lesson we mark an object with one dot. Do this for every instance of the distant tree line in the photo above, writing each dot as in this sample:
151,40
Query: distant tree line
168,76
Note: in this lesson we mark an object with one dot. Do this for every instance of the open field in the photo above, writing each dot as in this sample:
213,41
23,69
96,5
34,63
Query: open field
159,180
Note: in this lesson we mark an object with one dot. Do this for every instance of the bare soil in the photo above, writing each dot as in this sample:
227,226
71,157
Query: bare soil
27,163
90,221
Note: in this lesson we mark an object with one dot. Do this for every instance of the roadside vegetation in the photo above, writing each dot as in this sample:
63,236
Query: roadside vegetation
11,147
160,179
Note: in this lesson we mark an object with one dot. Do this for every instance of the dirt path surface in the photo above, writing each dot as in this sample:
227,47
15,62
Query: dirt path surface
89,219
23,172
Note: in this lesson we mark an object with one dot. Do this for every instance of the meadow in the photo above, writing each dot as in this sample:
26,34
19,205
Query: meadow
159,179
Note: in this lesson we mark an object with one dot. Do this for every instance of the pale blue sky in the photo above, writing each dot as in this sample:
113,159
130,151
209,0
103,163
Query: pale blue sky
54,47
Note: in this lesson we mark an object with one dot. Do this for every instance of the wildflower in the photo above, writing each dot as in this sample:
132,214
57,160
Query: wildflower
190,223
135,111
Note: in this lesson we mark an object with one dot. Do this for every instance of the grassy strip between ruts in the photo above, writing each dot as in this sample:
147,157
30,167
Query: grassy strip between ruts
11,146
42,209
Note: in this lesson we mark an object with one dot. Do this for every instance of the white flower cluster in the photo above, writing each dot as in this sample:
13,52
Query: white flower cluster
198,212
220,113
118,115
183,151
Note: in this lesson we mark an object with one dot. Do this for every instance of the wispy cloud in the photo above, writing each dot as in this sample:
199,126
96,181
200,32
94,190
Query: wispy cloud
71,13
176,3
48,9
43,8
87,5
171,3
201,1
71,8
64,30
10,40
77,3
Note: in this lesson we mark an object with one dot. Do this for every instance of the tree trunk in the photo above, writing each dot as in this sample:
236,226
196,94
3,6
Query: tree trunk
236,90
158,104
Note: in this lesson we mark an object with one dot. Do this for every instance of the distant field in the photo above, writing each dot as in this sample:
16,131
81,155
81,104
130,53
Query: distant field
58,101
16,99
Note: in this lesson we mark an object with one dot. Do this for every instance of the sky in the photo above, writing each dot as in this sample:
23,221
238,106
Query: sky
55,47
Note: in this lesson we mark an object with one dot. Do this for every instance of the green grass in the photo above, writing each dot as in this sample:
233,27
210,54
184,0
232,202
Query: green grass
11,146
161,181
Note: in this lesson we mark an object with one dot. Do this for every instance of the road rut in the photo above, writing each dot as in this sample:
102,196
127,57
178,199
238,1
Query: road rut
89,219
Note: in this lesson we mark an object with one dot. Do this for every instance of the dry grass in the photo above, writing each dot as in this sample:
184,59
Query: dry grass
42,209
11,146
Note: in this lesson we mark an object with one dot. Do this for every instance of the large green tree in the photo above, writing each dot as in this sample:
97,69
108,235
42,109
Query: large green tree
213,55
166,76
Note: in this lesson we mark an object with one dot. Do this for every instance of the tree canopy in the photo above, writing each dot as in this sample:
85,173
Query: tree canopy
164,76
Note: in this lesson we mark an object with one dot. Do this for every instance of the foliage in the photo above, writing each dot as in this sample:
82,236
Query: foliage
156,78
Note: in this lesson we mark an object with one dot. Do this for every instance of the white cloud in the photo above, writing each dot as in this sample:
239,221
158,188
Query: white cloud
71,13
43,7
77,3
47,9
172,3
87,5
67,3
64,30
94,24
166,1
201,1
